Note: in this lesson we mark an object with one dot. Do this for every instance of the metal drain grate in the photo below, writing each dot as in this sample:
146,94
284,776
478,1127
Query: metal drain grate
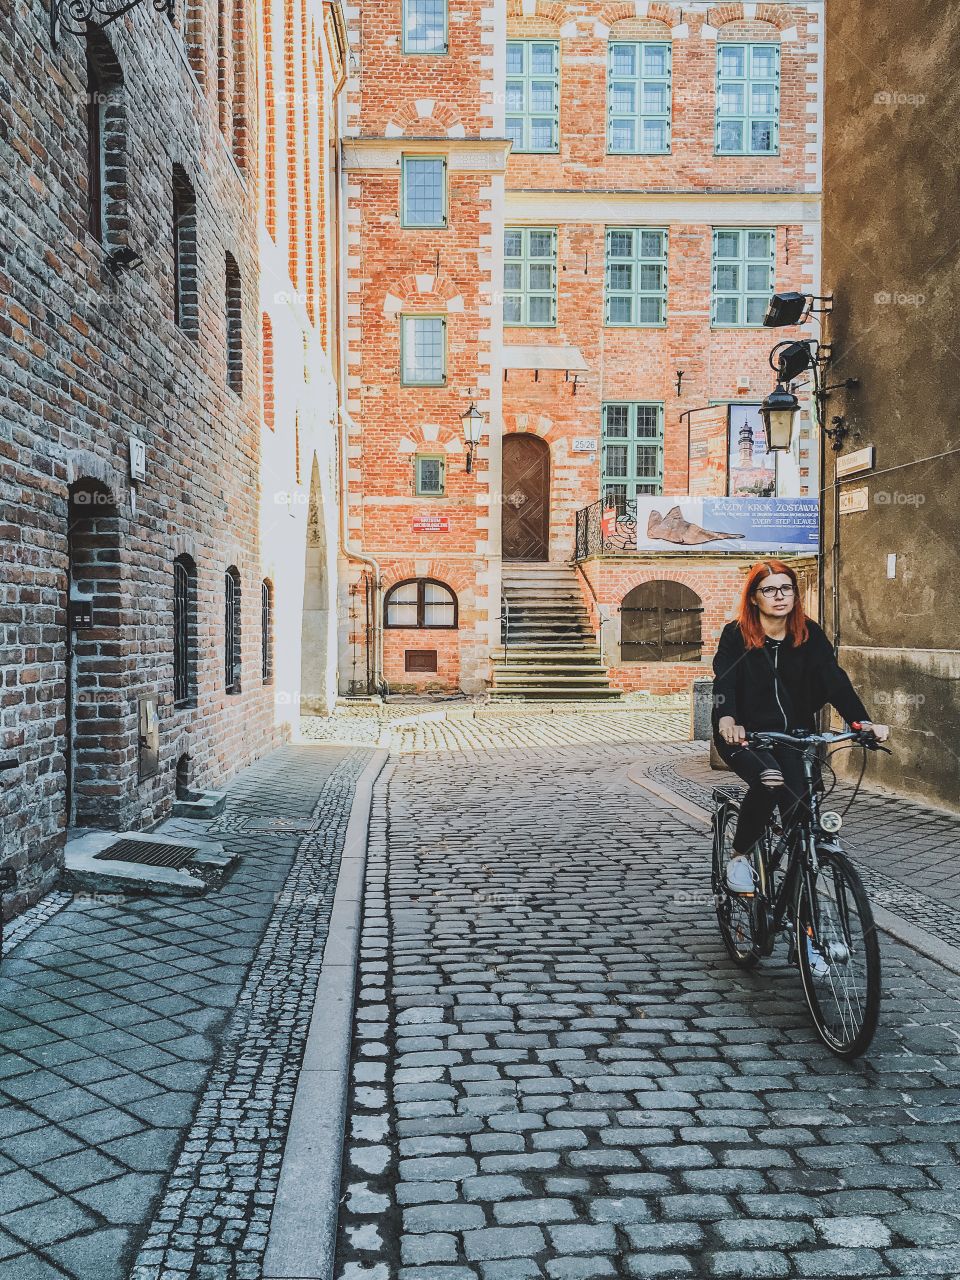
148,854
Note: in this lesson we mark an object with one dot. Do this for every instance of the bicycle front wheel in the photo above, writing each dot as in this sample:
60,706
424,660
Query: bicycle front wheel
839,956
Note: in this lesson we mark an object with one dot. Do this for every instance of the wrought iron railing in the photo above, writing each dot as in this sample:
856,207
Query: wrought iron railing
608,526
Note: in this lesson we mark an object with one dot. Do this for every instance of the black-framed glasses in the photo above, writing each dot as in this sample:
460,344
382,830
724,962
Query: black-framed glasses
770,592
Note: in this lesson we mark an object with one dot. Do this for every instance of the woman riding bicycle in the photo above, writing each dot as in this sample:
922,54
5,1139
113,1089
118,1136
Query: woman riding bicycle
774,669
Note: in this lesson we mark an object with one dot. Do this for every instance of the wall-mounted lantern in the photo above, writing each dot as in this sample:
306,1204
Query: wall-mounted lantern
472,421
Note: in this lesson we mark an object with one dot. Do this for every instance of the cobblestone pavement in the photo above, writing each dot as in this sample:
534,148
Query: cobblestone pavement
558,1073
147,1036
908,855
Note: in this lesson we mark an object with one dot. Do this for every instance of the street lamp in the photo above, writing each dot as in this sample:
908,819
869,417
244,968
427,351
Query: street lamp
779,413
472,421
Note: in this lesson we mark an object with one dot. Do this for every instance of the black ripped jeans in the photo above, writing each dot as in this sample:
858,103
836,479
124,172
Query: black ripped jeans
761,800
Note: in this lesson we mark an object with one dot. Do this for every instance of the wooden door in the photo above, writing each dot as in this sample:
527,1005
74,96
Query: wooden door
526,498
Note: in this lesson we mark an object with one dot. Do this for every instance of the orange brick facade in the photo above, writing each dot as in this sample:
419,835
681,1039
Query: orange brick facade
552,381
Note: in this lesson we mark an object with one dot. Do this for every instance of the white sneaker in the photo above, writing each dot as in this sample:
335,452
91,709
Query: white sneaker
740,875
818,966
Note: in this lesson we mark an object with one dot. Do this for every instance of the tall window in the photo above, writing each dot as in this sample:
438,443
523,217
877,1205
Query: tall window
266,631
234,317
638,97
184,631
533,94
269,391
106,142
422,603
424,26
95,104
748,99
238,89
270,139
231,630
632,452
660,621
530,276
424,191
743,275
186,302
636,276
423,350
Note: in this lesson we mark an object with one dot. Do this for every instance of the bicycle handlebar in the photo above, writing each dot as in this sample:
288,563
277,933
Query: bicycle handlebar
799,738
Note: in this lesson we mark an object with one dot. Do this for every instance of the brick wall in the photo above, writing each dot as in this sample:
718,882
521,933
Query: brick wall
89,357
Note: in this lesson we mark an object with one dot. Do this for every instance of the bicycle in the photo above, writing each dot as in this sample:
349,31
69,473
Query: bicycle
806,887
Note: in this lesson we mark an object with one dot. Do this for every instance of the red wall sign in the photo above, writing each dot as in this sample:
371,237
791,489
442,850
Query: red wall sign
431,524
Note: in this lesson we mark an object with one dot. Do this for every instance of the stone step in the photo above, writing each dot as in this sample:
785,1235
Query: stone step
532,694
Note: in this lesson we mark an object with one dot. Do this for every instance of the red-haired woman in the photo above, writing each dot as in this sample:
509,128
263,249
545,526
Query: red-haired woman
774,669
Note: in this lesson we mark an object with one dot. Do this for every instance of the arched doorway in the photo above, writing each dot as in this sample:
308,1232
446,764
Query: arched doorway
525,520
661,621
95,712
315,627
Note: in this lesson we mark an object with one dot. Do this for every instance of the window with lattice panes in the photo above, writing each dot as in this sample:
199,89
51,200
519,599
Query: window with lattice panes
424,191
421,603
638,97
424,26
423,344
744,261
533,95
636,276
429,475
530,277
748,99
631,452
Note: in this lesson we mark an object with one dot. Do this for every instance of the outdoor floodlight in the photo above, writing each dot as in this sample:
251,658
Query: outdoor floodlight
784,309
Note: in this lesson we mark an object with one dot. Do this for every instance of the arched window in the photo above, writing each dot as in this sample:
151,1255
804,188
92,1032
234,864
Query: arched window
186,302
660,621
184,631
421,603
266,630
106,142
269,392
234,310
231,630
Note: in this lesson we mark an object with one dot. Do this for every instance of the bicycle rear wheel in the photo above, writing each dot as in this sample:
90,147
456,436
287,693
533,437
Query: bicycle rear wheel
840,970
738,915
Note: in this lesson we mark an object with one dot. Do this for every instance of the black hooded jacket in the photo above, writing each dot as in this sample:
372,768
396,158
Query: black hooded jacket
782,685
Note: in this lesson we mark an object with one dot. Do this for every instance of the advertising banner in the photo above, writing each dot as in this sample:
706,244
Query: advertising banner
728,524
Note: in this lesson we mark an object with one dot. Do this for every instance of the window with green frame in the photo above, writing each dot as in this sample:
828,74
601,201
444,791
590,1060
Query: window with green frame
636,276
533,94
748,99
530,276
743,275
429,470
423,184
423,351
638,97
424,26
632,457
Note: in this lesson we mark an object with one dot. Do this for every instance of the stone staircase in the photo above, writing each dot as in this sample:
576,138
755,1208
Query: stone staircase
550,651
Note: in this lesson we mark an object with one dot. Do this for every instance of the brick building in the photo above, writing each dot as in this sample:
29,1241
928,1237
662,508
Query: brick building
571,216
145,635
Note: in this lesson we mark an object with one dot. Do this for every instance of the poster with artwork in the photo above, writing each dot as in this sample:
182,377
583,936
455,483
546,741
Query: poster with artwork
751,471
728,524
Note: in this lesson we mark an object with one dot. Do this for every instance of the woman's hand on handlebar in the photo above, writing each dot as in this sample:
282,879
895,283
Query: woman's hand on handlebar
880,731
732,733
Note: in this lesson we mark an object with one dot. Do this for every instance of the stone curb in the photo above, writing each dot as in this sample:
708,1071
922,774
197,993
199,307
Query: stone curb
917,939
303,1228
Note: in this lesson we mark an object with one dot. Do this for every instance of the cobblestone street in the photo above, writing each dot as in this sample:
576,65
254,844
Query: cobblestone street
557,1071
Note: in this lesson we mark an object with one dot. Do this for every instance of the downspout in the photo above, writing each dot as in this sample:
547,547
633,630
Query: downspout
375,641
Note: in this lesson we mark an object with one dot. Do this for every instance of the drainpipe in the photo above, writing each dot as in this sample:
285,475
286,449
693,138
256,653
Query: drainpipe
375,641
